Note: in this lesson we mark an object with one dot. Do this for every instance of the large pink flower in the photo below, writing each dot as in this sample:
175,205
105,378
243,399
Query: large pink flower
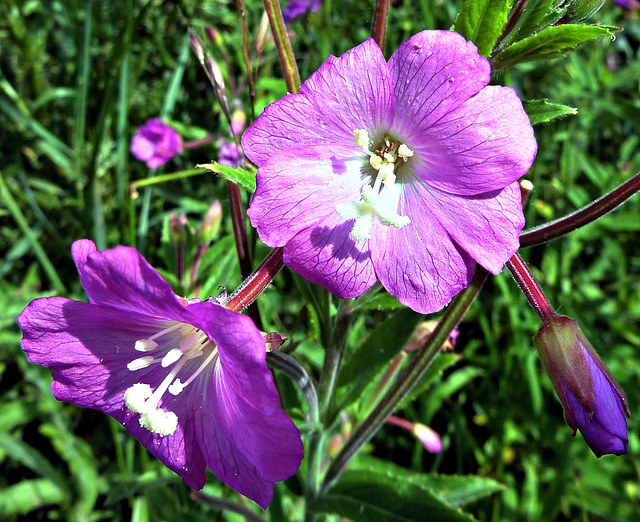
187,379
403,171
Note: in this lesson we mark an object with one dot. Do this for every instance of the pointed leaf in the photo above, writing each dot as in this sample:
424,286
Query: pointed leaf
481,21
25,496
550,43
365,495
243,177
541,111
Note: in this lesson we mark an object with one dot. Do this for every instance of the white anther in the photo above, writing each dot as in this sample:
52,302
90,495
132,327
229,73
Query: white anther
136,396
361,139
375,161
172,356
159,421
405,152
140,362
176,387
145,345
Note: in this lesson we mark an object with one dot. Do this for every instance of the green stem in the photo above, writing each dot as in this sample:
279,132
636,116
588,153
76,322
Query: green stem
287,60
582,217
409,377
226,505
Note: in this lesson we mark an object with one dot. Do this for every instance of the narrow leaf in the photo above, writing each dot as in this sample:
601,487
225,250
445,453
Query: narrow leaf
541,111
28,495
481,21
550,43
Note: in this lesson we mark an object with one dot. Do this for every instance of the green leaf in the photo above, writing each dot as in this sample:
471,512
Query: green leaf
550,43
365,495
481,21
537,15
456,490
383,343
28,495
243,177
541,111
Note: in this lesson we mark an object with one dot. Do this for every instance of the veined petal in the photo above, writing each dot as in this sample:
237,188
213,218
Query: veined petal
347,93
326,254
434,72
486,226
121,278
419,264
299,189
484,144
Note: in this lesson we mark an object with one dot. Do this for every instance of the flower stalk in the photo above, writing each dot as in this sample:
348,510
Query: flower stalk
285,52
584,216
255,283
529,286
379,29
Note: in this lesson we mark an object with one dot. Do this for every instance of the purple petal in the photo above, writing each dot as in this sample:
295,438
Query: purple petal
419,264
141,147
300,188
484,144
434,72
345,94
122,278
486,226
604,429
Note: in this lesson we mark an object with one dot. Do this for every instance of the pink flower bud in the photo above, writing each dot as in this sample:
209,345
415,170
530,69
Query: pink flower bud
593,401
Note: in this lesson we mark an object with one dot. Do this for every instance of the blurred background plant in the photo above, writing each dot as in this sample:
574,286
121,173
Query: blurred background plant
78,78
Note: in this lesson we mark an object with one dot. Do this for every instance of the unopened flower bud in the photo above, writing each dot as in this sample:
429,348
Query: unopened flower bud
593,401
156,143
429,438
178,227
210,224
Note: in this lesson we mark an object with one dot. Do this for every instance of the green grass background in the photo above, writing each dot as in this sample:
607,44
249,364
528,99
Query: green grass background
77,78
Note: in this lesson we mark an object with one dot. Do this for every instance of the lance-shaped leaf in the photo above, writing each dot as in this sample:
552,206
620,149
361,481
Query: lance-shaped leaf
542,111
481,21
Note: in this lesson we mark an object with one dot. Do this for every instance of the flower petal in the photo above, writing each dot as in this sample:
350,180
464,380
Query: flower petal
486,226
89,347
345,94
300,188
434,72
482,145
121,278
252,443
419,264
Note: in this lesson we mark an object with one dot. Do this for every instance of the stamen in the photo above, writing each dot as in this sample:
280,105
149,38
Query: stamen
172,356
176,387
145,345
361,139
159,421
136,396
405,152
166,331
140,362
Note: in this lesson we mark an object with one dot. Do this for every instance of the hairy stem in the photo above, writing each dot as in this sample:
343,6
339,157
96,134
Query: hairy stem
379,29
287,60
529,286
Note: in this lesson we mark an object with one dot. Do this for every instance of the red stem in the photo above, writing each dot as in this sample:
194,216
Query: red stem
400,422
253,285
379,29
529,286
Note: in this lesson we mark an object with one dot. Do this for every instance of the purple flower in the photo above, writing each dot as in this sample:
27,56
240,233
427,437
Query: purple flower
229,155
296,8
404,172
593,401
628,4
156,143
187,379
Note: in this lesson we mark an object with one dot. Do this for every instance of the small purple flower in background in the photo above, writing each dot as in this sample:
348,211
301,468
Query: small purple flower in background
296,8
427,436
229,155
187,379
593,401
628,4
156,143
403,171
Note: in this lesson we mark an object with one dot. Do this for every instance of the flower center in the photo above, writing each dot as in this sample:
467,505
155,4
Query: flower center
379,200
140,398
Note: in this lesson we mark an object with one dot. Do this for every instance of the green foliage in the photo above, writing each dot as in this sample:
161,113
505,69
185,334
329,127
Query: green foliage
482,22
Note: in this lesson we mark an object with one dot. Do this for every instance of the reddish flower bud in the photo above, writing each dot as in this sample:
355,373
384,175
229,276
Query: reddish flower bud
593,401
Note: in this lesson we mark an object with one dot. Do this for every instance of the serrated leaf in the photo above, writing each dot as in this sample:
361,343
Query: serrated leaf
25,496
481,21
541,111
366,495
549,43
383,343
455,490
243,177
